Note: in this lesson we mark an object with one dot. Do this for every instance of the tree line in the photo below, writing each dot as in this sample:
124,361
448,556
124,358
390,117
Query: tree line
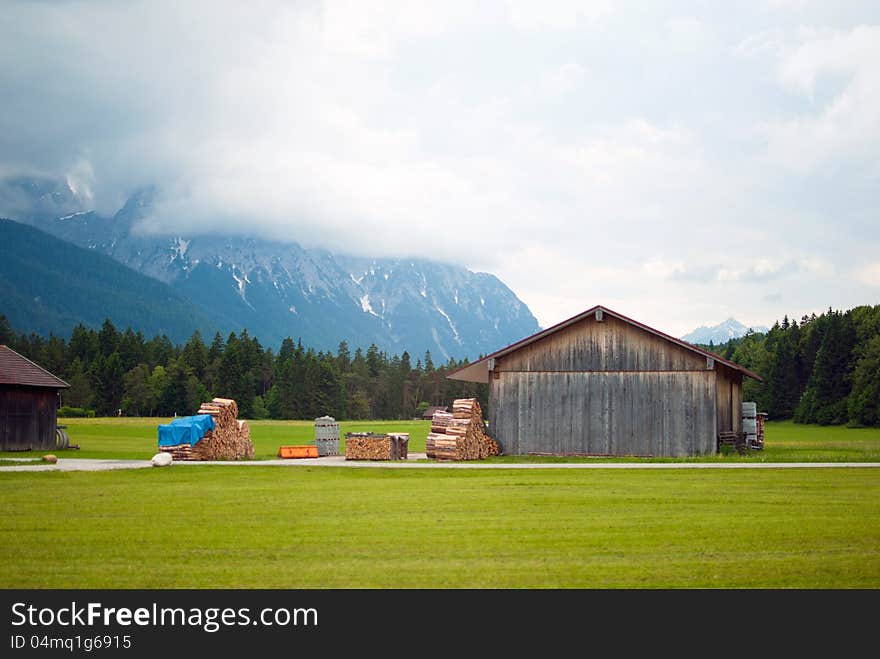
113,371
825,369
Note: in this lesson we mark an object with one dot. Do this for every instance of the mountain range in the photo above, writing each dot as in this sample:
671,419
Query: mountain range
273,289
720,333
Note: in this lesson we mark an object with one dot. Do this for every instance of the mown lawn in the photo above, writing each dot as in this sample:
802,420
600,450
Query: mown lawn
135,438
319,527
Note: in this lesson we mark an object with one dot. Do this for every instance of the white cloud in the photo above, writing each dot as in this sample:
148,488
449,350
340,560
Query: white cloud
845,127
563,79
585,152
687,35
869,274
557,15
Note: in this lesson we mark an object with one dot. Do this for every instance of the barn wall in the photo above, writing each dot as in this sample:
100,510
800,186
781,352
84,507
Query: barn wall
614,413
609,345
729,400
28,418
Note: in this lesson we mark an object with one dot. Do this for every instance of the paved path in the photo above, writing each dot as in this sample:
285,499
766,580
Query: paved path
82,464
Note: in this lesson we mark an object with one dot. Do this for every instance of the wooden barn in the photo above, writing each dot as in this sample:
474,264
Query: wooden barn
28,403
603,384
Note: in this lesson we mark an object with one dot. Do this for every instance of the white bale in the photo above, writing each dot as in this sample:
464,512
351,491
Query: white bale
161,459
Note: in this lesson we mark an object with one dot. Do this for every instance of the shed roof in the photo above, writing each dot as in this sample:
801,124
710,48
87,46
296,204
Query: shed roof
478,371
434,408
18,370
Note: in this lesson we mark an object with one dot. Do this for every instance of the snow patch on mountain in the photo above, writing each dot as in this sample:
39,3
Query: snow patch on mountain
72,215
366,307
451,324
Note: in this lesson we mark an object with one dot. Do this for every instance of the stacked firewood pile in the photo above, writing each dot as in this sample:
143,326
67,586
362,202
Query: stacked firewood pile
179,452
376,446
460,435
229,440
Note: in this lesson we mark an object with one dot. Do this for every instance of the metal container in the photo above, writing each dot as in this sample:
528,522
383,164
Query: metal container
327,435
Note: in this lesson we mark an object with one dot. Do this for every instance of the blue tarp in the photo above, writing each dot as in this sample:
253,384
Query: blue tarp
185,430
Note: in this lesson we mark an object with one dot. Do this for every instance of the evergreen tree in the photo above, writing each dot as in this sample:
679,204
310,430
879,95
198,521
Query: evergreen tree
374,361
80,393
234,377
160,350
195,355
132,350
196,393
782,387
217,347
343,357
283,402
6,334
158,383
138,398
107,381
824,400
864,401
287,351
83,345
53,355
173,399
108,338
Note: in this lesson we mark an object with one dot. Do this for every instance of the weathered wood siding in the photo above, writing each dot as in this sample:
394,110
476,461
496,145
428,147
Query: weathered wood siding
729,400
609,345
28,418
614,413
611,388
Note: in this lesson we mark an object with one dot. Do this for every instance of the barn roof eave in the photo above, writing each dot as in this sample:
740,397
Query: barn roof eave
476,372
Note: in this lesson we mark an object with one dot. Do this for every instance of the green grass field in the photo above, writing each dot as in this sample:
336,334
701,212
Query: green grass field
135,438
318,527
321,527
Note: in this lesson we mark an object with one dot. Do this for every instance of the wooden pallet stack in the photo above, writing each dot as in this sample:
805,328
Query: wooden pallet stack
460,435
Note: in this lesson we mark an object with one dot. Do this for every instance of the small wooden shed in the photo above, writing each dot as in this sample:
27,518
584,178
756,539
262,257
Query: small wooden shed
429,413
600,383
28,403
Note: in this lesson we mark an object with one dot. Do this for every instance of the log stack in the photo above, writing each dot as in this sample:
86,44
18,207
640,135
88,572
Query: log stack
179,452
229,440
460,435
375,446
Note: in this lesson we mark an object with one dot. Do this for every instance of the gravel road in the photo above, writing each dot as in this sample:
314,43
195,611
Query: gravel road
81,464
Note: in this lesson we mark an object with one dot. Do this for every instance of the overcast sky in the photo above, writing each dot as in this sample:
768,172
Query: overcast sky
678,162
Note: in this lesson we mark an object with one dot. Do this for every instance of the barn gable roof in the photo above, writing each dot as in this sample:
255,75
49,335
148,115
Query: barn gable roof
478,371
18,370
